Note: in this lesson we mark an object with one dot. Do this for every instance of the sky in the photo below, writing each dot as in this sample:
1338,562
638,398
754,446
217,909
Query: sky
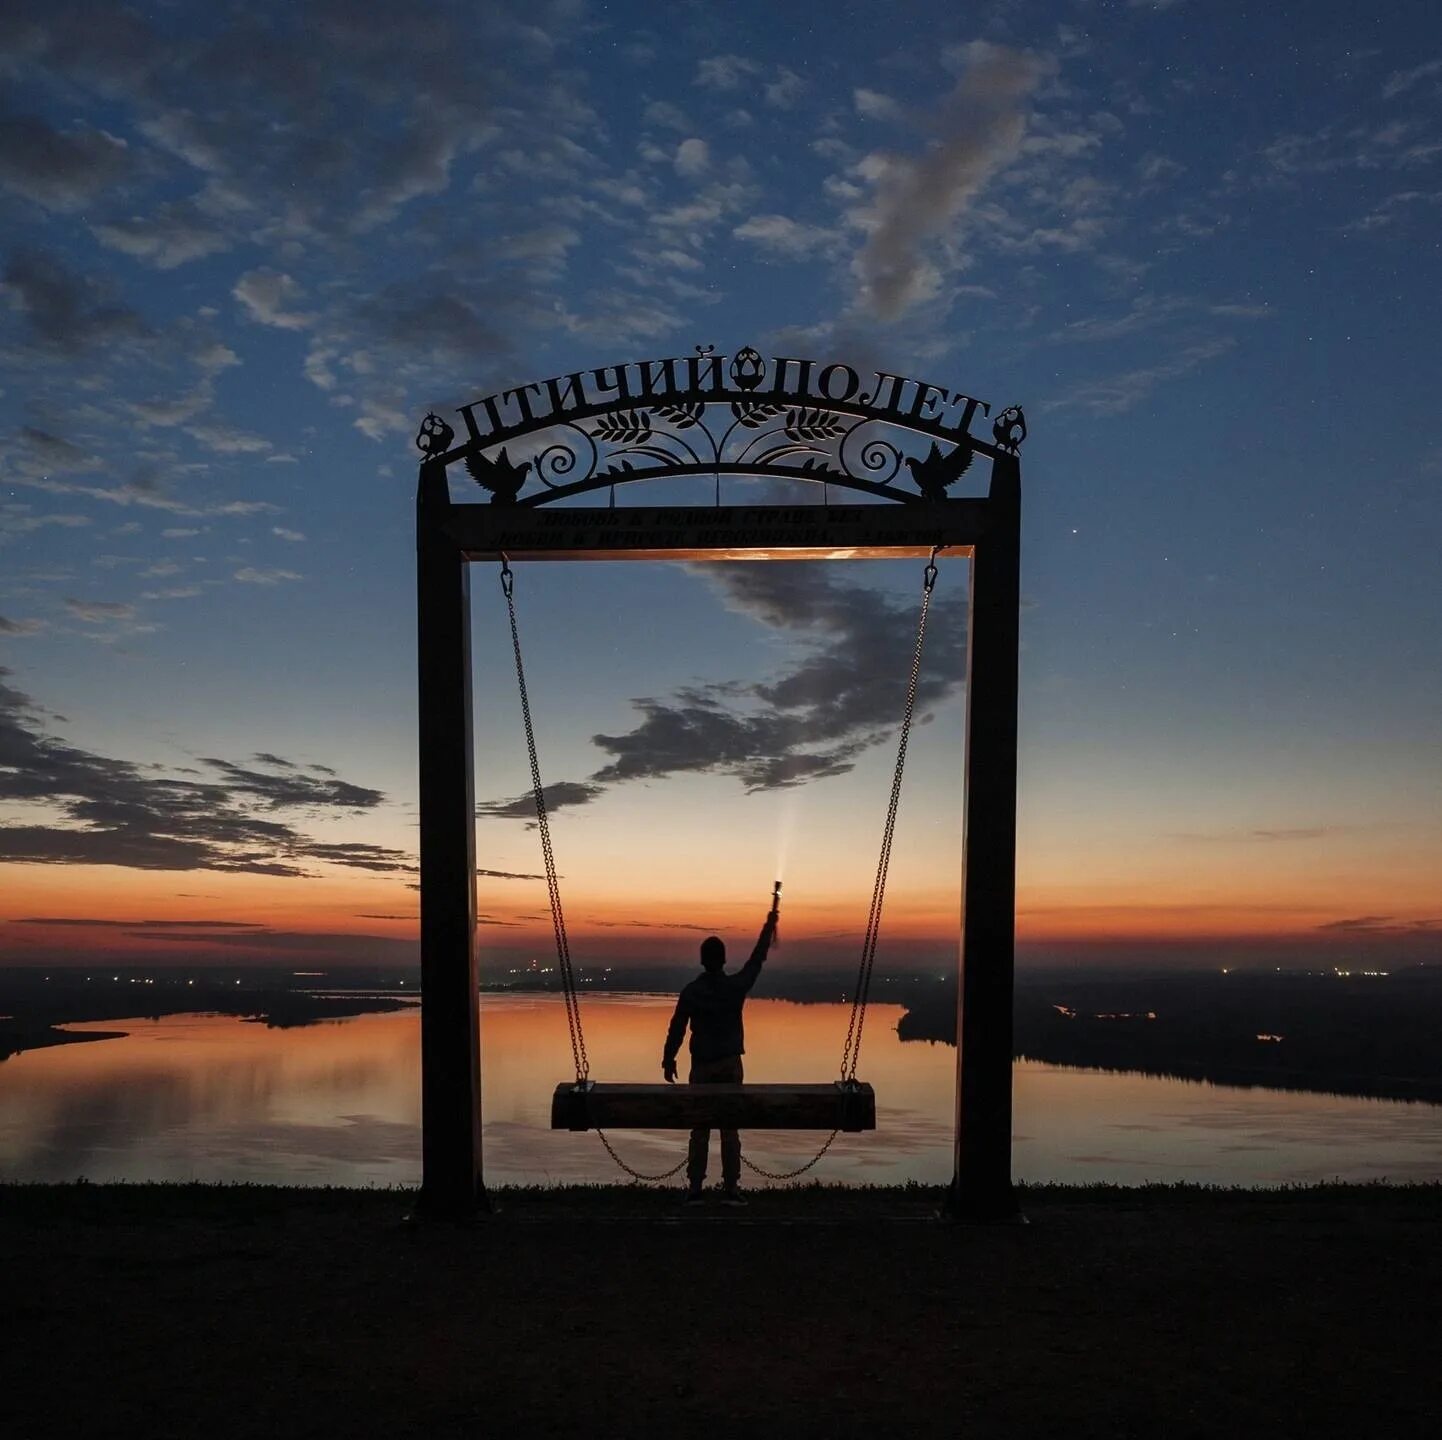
246,248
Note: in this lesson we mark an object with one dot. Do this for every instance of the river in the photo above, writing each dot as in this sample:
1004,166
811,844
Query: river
213,1098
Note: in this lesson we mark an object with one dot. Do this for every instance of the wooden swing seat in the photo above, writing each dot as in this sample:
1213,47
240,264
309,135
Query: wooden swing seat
590,1106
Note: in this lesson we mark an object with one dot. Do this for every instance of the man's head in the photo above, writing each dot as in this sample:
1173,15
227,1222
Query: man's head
713,953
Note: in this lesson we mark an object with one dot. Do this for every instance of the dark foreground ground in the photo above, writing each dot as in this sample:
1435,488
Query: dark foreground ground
220,1312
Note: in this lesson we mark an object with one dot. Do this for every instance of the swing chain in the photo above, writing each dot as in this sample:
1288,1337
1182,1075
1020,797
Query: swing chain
851,1051
558,918
799,1170
631,1170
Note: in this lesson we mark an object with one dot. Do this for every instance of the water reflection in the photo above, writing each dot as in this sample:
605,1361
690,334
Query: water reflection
214,1098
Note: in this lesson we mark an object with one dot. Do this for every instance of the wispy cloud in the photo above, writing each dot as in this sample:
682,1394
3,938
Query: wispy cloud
115,812
913,196
839,699
252,575
20,627
59,169
1116,394
1382,925
1400,81
89,921
1284,834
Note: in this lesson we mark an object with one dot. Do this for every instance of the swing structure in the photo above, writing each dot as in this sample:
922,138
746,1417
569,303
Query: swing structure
700,417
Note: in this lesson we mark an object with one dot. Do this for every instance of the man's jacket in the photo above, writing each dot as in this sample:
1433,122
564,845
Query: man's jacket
711,1005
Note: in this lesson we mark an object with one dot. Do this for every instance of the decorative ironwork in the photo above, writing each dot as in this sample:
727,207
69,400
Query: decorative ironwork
748,369
1009,429
935,471
435,435
715,415
499,476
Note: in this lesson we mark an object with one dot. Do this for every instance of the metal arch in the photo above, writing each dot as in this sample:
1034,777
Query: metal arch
696,416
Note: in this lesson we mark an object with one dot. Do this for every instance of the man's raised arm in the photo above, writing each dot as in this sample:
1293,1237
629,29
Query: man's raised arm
752,967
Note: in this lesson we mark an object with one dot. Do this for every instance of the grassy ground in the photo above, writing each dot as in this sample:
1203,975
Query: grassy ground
221,1312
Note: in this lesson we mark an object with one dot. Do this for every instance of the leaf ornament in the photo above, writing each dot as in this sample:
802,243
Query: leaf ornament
813,425
625,427
754,413
681,417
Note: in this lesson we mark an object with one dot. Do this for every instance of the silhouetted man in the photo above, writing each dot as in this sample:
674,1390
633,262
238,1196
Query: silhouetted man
711,1005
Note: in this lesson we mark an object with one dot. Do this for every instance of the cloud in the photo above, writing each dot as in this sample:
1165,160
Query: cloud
662,112
1155,169
1402,80
1383,925
783,236
266,295
17,520
357,856
54,452
1358,922
693,158
1283,834
1291,159
175,409
725,72
140,924
1116,394
417,162
289,165
652,925
176,592
291,788
523,807
873,105
100,611
785,90
280,531
115,812
1144,312
61,170
512,874
65,312
914,197
167,237
20,627
249,575
1394,209
841,697
227,440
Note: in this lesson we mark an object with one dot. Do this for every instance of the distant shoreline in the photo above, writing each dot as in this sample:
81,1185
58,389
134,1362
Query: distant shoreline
1314,1035
33,1019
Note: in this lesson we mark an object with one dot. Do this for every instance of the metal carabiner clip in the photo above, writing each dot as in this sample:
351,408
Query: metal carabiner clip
928,576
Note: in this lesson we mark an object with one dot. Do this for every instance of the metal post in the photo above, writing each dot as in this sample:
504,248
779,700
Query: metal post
981,1188
451,1182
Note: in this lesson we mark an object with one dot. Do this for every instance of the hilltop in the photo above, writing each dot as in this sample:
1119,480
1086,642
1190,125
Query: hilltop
818,1312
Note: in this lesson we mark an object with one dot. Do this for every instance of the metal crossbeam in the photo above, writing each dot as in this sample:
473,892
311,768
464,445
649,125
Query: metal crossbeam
703,532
